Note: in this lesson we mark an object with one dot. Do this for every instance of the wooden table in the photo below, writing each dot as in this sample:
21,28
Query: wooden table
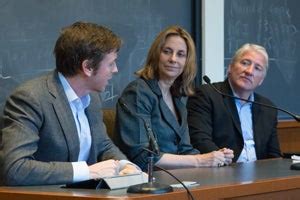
289,136
266,179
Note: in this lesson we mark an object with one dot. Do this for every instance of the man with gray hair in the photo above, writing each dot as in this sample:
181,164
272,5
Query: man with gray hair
218,121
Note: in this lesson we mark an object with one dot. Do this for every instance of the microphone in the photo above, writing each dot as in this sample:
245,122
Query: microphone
207,80
150,134
151,187
295,166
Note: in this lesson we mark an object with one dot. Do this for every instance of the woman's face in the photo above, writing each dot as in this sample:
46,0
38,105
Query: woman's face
172,58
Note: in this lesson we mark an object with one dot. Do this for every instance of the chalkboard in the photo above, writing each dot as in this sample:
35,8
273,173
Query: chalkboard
29,29
275,24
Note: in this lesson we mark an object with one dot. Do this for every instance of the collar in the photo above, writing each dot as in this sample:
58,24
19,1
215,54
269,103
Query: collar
251,97
70,93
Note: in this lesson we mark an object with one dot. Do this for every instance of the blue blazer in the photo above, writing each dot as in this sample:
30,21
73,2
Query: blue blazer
214,123
39,138
144,98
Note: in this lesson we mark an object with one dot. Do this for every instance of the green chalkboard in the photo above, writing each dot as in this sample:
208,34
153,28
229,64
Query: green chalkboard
29,29
275,24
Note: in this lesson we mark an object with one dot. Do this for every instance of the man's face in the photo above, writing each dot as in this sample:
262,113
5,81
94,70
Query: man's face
99,79
247,73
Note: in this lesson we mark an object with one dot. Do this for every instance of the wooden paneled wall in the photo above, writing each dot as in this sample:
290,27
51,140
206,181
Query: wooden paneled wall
289,136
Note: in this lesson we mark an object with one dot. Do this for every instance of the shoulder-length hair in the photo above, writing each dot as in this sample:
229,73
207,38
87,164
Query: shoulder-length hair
184,84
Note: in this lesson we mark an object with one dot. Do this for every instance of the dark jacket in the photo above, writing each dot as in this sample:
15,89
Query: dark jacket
214,123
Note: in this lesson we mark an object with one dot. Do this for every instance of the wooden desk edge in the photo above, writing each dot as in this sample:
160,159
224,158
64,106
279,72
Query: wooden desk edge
288,124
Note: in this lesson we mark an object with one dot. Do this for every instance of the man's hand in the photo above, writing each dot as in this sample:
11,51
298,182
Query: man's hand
129,169
104,169
228,153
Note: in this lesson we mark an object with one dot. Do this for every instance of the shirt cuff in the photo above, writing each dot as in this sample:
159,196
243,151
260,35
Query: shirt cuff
81,171
125,162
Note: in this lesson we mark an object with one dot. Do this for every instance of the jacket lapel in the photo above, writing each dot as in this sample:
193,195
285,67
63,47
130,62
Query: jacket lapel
257,133
93,113
169,116
64,115
230,105
166,113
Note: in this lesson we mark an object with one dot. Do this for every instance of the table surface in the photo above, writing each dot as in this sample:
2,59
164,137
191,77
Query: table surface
274,174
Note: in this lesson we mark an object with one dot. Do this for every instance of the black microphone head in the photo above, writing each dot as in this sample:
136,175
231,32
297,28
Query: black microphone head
206,79
297,118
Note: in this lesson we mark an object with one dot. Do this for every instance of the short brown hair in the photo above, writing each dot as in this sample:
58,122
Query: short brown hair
83,41
184,84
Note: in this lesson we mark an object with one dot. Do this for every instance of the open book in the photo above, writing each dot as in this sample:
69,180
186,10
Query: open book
113,182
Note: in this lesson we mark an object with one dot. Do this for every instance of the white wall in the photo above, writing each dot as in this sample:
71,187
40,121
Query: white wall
213,39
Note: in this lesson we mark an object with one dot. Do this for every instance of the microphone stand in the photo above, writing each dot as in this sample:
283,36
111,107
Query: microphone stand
151,187
295,166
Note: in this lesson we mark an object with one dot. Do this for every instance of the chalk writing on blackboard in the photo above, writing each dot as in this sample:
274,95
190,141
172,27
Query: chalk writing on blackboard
267,23
30,28
2,76
275,25
109,93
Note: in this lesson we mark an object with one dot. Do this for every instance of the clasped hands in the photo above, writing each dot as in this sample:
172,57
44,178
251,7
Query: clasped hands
110,168
216,158
227,157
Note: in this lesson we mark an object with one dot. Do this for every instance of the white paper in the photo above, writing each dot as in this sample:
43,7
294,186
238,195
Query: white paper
186,183
295,157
